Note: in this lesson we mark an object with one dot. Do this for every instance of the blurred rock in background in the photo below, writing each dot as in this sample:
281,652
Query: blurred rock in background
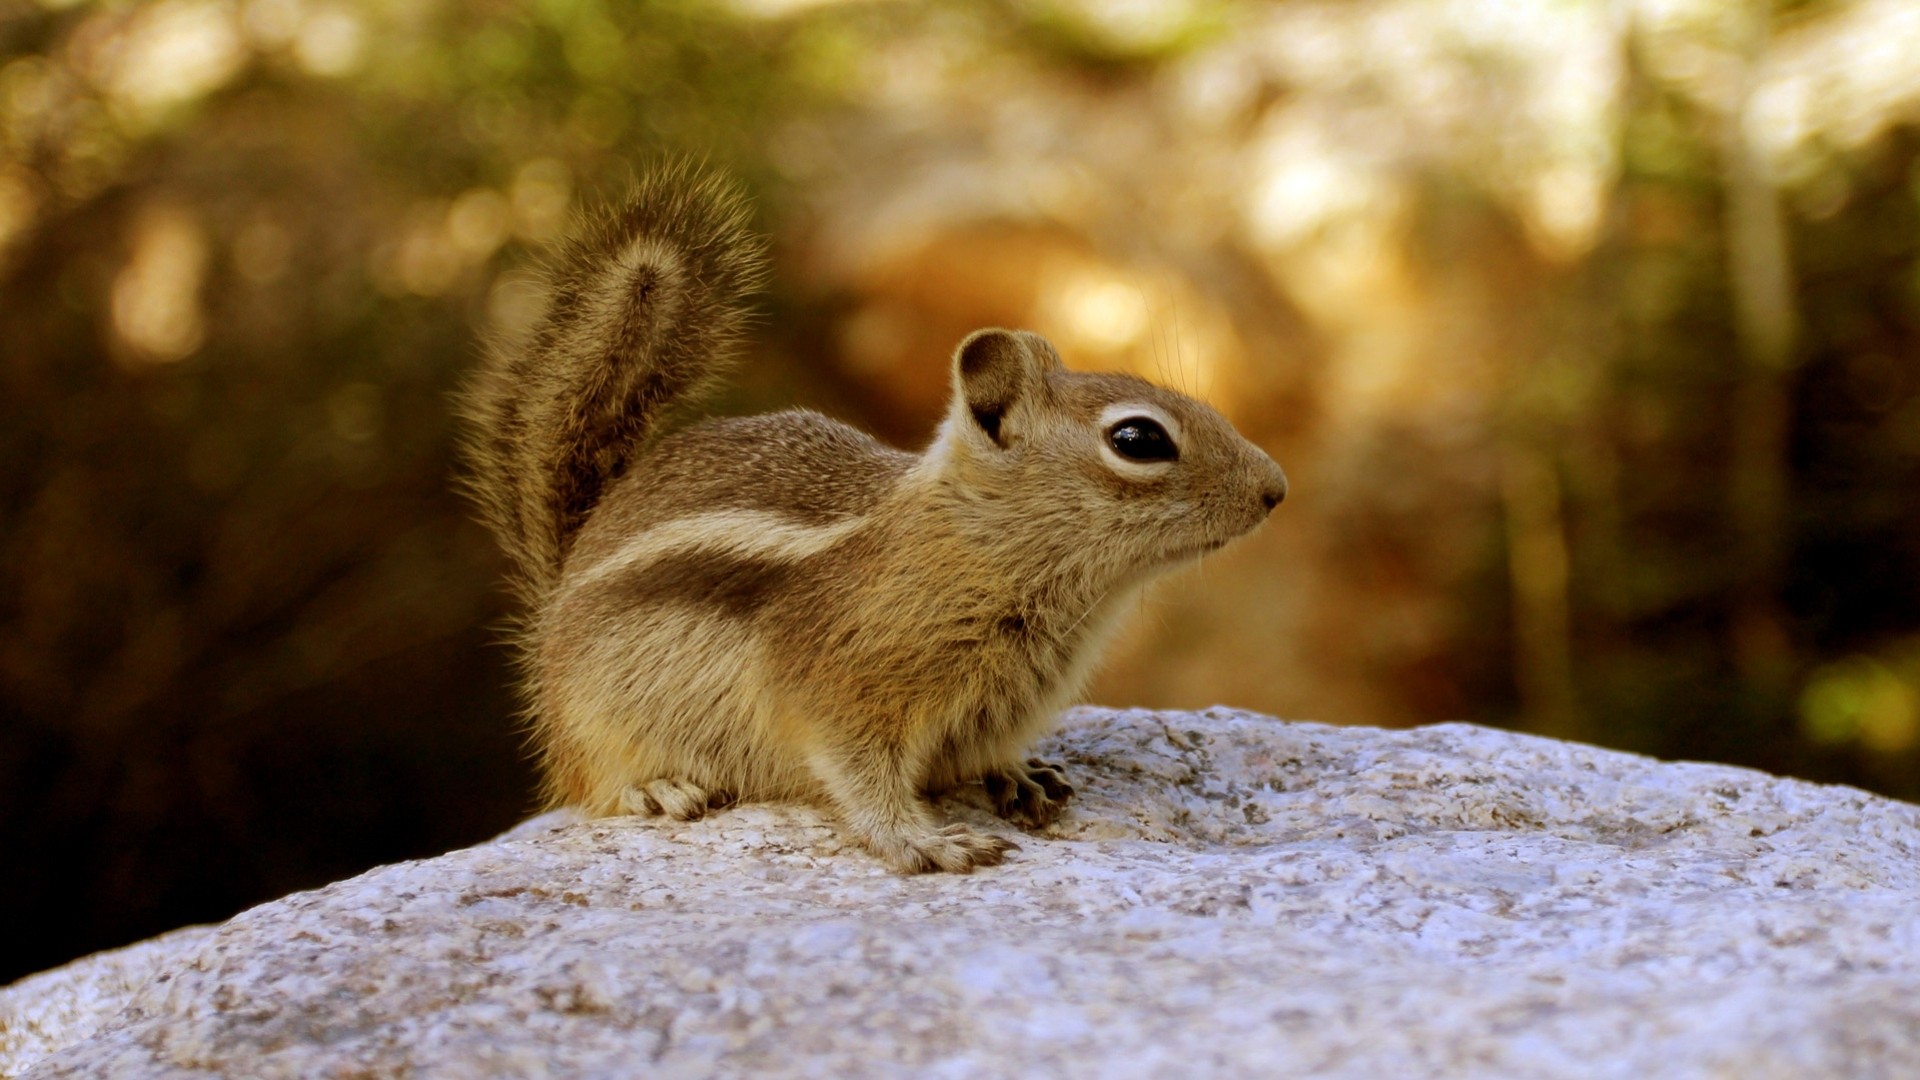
1586,331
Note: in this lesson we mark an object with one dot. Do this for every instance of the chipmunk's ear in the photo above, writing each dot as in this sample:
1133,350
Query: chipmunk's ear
997,371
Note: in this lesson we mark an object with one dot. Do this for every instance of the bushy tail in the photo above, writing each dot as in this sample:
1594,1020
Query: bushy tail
645,308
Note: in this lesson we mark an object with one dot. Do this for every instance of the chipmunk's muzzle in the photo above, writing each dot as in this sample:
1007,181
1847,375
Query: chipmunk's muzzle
1236,515
1271,483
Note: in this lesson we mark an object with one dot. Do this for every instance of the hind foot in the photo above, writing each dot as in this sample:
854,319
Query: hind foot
1034,793
679,799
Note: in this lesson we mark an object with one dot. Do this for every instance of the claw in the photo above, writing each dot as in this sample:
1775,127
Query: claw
671,798
955,849
1034,793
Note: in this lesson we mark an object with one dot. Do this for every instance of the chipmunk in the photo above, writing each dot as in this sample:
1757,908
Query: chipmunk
780,607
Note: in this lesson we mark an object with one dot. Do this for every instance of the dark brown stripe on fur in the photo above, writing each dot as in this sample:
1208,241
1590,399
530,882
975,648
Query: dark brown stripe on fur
729,584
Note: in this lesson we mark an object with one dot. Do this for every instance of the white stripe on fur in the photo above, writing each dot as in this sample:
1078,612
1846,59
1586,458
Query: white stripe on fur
752,534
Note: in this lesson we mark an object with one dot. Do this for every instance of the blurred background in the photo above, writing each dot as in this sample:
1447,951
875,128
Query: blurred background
1589,334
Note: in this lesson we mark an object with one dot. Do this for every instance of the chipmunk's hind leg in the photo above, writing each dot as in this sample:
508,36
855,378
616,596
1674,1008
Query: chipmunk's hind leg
674,798
1034,793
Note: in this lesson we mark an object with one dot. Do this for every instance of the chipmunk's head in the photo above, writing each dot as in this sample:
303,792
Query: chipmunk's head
1147,475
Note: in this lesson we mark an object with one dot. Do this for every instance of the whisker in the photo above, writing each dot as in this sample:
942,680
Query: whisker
1083,615
1180,350
1178,377
1153,333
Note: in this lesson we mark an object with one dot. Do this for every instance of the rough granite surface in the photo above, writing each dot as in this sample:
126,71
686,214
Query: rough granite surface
1229,895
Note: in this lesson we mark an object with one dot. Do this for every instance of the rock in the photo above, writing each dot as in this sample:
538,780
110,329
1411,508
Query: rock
1229,895
57,1008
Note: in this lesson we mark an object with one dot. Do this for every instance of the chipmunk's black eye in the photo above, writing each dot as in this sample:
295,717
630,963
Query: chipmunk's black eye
1140,439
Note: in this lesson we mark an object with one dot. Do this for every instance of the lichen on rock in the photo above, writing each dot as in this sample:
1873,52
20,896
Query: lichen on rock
1228,895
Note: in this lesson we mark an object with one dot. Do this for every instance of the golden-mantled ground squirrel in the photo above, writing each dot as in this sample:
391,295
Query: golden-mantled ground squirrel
779,607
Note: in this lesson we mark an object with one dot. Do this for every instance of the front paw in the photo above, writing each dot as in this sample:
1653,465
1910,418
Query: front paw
1034,793
955,849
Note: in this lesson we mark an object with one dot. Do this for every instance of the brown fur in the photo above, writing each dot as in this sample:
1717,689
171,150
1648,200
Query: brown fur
778,607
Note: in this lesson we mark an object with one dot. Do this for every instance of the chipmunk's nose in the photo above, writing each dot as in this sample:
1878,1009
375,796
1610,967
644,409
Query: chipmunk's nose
1275,489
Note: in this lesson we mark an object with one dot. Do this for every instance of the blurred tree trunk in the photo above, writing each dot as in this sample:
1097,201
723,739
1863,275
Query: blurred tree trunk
1537,566
1765,323
1558,429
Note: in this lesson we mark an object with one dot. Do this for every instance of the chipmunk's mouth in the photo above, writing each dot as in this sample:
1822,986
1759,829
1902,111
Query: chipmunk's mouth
1200,550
